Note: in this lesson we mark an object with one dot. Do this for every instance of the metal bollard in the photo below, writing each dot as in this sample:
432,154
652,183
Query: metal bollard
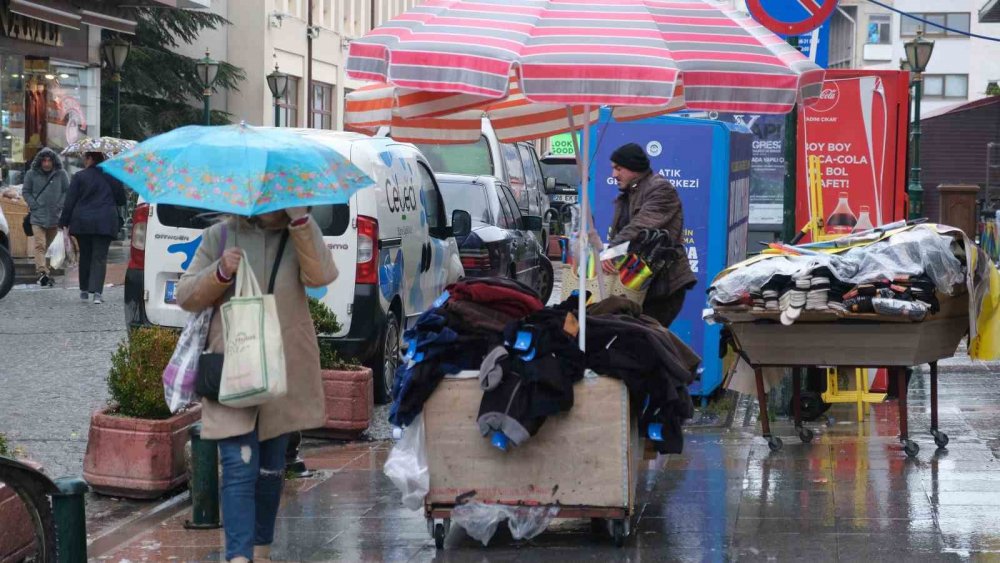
204,482
68,510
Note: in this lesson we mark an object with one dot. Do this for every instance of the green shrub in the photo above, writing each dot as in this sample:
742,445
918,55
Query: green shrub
326,323
135,381
4,447
323,318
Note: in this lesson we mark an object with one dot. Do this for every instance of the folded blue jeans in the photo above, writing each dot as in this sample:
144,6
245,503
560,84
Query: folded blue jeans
253,473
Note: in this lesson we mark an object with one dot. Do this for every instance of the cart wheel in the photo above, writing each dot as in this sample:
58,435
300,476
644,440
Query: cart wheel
911,448
806,435
618,533
940,438
439,535
774,443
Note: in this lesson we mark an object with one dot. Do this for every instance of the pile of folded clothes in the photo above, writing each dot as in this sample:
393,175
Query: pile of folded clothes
912,297
900,275
528,360
455,335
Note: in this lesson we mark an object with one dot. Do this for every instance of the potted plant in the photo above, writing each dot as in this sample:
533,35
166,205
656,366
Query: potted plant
17,535
136,447
347,387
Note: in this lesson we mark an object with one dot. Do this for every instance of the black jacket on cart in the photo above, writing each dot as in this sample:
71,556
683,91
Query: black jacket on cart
537,382
645,359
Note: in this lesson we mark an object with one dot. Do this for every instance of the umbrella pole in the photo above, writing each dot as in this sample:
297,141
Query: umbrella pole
582,156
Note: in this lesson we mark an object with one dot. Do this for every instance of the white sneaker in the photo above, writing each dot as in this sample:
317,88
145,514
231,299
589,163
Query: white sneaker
97,299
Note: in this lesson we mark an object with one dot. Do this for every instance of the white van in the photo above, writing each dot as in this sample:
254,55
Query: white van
395,234
515,164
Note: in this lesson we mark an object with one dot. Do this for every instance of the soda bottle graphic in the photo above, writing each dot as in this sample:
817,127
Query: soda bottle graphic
864,221
842,220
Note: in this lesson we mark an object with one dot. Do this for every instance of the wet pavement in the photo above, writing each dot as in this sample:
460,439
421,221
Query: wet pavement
851,495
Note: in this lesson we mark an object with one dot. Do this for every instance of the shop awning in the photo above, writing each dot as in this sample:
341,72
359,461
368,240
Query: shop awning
97,19
990,12
58,13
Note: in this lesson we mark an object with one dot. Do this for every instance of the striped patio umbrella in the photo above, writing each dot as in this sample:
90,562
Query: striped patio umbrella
414,116
549,64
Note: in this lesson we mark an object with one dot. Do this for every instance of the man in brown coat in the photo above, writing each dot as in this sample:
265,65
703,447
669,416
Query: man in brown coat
649,201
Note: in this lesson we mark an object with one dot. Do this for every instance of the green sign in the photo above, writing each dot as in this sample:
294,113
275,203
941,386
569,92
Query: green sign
562,145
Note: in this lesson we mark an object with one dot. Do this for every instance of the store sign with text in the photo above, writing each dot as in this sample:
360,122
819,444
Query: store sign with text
854,130
16,26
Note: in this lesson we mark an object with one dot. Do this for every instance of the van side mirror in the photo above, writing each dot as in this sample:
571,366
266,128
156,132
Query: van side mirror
461,223
531,223
550,184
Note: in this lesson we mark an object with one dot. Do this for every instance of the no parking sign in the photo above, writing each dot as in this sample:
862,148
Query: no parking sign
791,17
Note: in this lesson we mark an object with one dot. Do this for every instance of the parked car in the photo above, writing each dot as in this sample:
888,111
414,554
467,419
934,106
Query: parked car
6,261
395,232
566,177
515,164
501,241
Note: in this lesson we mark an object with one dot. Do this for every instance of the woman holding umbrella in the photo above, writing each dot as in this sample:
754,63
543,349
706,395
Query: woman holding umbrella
263,180
252,441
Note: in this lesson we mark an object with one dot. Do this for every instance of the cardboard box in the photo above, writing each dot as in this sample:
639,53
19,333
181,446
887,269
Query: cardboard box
584,458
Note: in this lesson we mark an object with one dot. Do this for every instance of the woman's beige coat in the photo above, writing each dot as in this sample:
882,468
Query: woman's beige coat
306,263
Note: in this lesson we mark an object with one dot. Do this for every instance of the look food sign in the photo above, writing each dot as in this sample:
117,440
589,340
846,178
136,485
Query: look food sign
791,17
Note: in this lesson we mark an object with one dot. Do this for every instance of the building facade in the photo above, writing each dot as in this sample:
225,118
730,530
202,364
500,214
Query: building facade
50,72
865,35
307,39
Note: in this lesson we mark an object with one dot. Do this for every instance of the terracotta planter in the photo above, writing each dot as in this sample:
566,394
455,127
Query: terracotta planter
137,458
350,401
17,536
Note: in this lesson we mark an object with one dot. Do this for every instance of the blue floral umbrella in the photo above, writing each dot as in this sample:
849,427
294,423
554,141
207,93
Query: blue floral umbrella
237,169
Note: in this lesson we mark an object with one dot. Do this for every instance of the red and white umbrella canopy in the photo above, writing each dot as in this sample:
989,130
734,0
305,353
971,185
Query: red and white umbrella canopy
588,52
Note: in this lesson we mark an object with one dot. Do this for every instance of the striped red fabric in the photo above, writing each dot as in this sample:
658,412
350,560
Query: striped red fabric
574,52
420,117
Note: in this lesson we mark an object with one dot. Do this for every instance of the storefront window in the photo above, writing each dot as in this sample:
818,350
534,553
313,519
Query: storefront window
11,115
43,103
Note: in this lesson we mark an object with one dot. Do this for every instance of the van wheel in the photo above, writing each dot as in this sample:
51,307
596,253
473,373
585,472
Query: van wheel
384,370
6,271
546,281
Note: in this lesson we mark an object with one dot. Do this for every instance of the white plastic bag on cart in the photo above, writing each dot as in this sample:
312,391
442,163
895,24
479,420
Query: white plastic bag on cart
407,465
480,520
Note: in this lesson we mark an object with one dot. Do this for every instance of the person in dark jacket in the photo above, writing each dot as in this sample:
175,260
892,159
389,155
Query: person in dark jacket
91,215
44,189
648,201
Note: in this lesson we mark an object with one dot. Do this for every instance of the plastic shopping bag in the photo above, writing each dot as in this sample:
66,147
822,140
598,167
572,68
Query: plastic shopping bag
57,252
254,370
182,371
407,465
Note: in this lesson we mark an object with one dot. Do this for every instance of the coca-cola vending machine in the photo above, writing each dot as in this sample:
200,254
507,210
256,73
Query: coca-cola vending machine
858,129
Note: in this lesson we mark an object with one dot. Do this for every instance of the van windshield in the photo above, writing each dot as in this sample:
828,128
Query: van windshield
470,159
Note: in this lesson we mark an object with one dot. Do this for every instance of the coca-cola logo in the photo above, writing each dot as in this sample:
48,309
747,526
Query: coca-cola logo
828,98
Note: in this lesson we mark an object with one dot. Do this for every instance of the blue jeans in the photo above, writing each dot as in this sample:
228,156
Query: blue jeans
253,473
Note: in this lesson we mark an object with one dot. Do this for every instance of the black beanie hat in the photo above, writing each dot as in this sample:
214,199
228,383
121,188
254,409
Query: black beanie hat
631,156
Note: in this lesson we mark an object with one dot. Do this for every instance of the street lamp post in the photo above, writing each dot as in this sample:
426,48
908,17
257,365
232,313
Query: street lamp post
918,54
208,70
114,53
277,82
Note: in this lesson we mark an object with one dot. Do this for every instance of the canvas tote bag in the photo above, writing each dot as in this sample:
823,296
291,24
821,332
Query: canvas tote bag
253,372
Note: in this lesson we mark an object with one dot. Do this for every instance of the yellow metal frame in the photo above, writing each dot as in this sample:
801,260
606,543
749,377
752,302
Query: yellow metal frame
859,395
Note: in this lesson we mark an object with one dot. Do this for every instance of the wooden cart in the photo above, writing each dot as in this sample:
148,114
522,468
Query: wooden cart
584,461
849,341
